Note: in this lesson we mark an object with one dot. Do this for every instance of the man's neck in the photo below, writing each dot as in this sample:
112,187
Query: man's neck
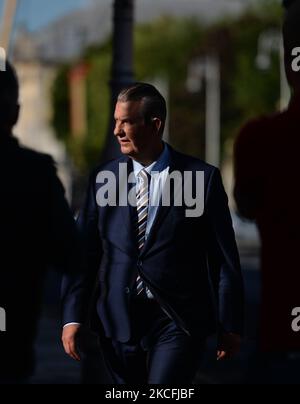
150,157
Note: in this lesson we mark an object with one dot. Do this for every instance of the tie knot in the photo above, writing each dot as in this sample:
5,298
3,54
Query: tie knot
144,176
143,173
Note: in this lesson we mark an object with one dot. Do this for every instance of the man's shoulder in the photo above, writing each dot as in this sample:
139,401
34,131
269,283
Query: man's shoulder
110,165
260,128
191,163
36,157
30,158
179,161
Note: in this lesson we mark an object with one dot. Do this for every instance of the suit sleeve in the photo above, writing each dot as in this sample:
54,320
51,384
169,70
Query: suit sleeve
78,288
223,258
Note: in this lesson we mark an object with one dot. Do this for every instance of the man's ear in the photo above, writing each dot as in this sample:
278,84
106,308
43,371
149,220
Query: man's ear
157,123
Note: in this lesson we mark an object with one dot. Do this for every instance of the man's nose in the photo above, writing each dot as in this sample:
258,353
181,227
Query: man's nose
117,130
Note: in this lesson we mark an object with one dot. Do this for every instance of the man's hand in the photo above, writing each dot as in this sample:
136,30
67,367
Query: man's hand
228,345
69,340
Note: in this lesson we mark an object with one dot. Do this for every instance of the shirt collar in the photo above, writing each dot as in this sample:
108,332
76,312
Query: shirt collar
159,165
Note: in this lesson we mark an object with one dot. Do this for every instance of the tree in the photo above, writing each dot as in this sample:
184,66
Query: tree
165,48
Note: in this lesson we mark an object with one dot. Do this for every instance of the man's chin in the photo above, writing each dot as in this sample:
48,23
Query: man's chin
126,150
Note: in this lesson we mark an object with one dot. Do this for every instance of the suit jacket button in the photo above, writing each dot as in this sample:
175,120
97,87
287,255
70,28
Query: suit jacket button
127,291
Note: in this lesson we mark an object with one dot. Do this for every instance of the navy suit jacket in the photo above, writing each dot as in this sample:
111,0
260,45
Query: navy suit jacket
191,265
37,230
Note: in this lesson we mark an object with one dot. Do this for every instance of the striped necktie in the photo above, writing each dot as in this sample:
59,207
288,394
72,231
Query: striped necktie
142,216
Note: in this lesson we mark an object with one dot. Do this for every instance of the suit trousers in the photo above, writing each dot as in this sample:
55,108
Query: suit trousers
159,352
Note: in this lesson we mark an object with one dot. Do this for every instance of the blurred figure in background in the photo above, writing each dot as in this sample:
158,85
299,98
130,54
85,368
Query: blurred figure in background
267,190
36,229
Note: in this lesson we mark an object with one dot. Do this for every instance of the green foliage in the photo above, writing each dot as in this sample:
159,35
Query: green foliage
84,151
247,91
164,49
61,104
98,108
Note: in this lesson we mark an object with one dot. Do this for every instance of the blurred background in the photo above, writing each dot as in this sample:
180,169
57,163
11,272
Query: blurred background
218,63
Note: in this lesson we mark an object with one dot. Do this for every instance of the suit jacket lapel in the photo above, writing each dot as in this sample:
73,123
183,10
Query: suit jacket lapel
127,213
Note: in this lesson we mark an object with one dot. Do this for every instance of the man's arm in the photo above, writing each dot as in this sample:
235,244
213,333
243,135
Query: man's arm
224,267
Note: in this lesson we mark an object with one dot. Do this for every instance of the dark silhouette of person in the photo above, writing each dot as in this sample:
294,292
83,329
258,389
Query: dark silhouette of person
36,230
267,178
164,279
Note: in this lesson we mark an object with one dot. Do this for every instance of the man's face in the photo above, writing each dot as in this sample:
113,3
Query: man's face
134,135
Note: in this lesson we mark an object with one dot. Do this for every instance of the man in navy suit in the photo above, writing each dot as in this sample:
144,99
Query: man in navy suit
165,277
